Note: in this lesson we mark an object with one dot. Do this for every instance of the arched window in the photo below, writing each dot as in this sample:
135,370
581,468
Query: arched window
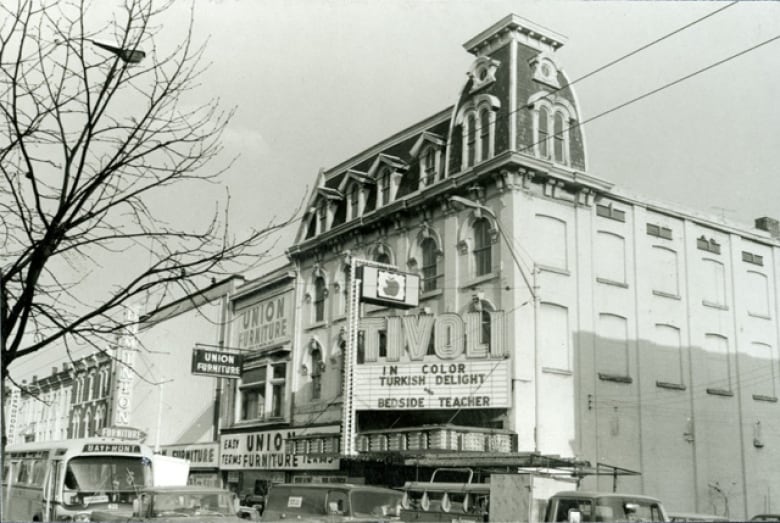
90,386
76,424
317,366
342,368
354,202
86,427
99,415
471,139
482,247
544,132
559,151
484,135
319,299
382,257
485,324
430,268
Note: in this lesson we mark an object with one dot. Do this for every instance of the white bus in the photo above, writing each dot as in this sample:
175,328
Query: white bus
67,480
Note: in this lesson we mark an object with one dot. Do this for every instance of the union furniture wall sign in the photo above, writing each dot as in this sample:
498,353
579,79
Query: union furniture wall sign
264,323
433,362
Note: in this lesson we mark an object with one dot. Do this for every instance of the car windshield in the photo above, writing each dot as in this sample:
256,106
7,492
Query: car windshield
609,509
103,479
193,504
374,503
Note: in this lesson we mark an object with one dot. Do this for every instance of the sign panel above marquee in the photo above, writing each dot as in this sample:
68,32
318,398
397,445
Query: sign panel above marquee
389,287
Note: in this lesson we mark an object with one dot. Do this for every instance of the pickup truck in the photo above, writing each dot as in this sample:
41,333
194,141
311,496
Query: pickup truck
164,504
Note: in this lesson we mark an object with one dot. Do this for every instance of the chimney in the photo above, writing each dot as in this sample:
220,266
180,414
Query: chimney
65,367
34,378
54,370
769,225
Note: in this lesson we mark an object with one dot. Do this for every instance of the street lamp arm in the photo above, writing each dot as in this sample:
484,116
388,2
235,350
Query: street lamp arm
475,205
130,56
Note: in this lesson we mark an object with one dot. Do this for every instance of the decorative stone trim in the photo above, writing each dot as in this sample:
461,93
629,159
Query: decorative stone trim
615,378
714,391
670,386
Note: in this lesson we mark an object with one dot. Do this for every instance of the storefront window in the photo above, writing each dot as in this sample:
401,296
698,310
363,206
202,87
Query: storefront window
261,397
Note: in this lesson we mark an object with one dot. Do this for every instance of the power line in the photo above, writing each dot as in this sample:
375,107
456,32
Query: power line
639,49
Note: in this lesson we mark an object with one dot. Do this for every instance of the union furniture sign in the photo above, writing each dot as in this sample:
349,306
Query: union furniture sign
216,363
265,323
266,450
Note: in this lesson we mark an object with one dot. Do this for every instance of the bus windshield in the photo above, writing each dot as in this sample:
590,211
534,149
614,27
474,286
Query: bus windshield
104,479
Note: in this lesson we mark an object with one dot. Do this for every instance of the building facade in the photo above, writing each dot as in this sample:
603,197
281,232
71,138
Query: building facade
258,419
558,315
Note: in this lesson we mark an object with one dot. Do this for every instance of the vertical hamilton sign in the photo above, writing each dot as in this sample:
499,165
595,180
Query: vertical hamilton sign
124,371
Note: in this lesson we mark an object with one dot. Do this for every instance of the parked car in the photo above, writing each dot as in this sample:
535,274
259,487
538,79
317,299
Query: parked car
331,502
689,516
164,504
766,517
581,506
250,513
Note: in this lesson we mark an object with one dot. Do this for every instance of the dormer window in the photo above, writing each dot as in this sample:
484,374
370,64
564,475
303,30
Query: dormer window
429,170
477,119
559,150
551,121
384,186
353,200
484,149
543,135
322,216
427,151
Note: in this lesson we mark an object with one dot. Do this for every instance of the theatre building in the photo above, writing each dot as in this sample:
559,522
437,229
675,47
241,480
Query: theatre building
557,316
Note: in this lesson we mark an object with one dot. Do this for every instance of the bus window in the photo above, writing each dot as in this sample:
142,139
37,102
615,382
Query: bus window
38,472
23,475
117,477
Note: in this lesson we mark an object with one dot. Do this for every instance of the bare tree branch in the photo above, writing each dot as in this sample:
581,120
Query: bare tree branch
90,142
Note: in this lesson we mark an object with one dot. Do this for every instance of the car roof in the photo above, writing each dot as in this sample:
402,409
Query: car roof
332,486
595,495
195,489
697,516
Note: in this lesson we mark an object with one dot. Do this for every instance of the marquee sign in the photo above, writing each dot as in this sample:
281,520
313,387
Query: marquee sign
433,362
461,385
388,287
216,363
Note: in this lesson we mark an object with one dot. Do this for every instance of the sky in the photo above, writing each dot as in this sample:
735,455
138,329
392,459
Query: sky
314,82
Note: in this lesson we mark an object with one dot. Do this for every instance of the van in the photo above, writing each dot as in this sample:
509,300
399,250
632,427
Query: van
577,507
331,502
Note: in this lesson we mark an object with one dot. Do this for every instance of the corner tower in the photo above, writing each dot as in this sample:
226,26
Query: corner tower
516,99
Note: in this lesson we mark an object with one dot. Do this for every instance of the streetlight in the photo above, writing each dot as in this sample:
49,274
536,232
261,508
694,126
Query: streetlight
130,56
459,200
